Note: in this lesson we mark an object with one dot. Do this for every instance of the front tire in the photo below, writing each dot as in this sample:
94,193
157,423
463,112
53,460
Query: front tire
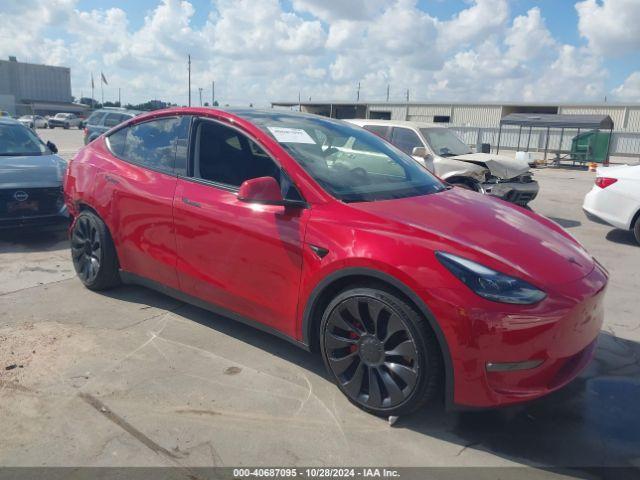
380,351
93,253
636,230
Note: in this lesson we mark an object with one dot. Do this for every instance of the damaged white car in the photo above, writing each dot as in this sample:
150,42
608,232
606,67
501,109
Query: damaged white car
442,152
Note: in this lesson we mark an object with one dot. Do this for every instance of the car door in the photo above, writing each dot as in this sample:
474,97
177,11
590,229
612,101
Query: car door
244,258
136,183
406,140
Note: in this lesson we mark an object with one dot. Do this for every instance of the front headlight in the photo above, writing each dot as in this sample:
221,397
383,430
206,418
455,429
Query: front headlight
490,284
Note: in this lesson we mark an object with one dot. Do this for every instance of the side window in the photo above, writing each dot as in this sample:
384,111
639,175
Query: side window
379,130
116,142
405,140
95,118
113,119
157,144
225,156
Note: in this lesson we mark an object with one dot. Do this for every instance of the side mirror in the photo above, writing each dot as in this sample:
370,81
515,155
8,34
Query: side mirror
419,152
263,190
52,146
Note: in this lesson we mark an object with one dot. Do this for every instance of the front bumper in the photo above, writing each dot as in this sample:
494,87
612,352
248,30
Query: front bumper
553,341
58,220
520,193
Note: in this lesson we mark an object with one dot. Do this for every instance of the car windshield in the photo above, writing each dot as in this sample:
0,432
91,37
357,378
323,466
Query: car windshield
61,115
349,162
26,117
18,140
444,142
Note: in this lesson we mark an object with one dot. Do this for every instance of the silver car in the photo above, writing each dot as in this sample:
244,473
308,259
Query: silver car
442,152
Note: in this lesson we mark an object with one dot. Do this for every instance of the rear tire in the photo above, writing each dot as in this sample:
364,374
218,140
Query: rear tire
380,351
93,253
636,230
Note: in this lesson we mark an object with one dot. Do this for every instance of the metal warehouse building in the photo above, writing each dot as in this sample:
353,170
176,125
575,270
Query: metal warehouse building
479,122
27,88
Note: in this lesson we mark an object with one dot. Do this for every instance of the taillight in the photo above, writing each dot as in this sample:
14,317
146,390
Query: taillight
604,182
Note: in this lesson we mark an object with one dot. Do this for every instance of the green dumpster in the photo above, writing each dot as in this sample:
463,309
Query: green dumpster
591,146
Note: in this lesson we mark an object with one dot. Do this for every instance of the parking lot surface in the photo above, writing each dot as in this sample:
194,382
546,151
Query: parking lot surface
130,377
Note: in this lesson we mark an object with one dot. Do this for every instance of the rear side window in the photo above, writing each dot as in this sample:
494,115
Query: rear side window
157,144
113,119
379,130
405,139
95,118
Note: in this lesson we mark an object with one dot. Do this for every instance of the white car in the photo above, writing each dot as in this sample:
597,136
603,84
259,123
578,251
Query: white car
65,120
615,198
442,152
33,121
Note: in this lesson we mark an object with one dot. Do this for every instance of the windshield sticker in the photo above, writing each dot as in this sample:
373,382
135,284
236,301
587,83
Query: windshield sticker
291,135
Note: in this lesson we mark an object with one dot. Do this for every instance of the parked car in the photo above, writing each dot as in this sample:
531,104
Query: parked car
65,120
402,283
103,120
33,121
615,198
442,152
30,179
4,113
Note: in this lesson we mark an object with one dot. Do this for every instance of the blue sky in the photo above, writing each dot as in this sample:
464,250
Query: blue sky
262,50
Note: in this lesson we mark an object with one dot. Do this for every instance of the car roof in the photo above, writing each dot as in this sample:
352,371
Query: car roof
394,123
117,110
9,121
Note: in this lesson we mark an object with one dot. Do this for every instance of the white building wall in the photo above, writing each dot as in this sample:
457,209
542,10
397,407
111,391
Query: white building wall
476,115
616,113
633,120
425,113
398,110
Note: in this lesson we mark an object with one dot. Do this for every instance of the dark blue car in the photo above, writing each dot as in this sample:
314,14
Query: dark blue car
105,119
30,179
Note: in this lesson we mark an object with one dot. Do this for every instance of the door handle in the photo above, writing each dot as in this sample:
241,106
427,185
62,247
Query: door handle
191,202
111,179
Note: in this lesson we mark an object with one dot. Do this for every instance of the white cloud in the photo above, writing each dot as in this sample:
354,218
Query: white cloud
332,10
612,27
261,50
483,19
630,89
528,38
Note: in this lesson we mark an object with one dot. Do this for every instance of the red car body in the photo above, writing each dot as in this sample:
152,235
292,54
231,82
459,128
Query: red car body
260,263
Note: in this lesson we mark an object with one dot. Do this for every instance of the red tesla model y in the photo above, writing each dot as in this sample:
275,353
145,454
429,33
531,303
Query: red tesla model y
325,235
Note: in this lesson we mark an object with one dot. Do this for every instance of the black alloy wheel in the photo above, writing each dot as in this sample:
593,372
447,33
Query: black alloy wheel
86,249
379,352
93,254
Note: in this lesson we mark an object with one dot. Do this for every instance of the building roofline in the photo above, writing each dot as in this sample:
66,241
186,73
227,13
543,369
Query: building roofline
35,64
449,104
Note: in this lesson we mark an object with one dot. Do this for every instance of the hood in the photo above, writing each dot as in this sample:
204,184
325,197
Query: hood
499,165
501,236
36,171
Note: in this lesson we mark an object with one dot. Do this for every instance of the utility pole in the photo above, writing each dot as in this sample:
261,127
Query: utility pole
299,102
406,115
358,94
200,91
119,101
213,93
388,88
189,68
